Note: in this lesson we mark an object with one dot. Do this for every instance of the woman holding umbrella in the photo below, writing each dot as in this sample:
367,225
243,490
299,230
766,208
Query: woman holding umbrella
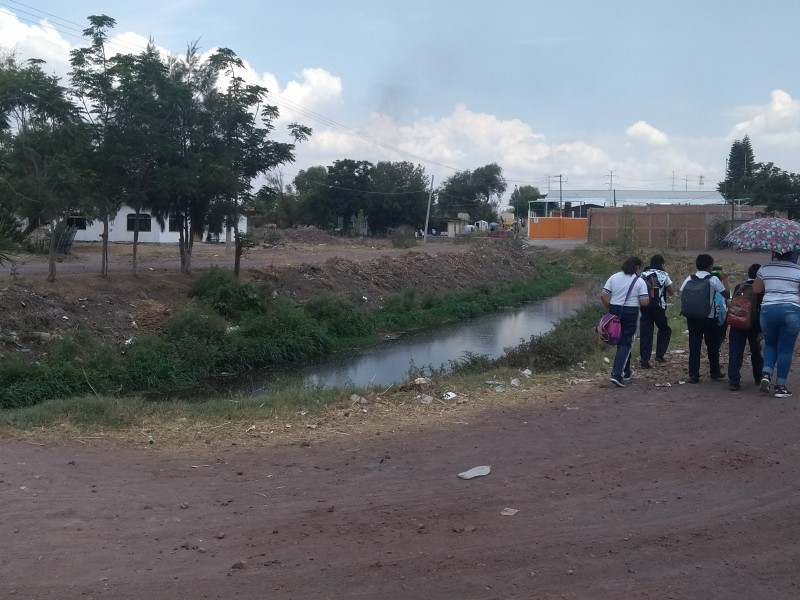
780,318
779,280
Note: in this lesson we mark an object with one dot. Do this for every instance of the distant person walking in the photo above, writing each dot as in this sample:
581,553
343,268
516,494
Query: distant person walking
739,338
697,293
780,318
622,295
659,286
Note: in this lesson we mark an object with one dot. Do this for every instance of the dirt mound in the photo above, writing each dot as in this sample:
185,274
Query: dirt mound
372,281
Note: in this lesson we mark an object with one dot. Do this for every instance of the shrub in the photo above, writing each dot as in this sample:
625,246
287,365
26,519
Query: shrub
340,317
220,290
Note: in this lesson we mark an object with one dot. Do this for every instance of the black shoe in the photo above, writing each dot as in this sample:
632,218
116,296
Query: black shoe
716,376
646,365
618,382
782,392
734,387
694,380
660,359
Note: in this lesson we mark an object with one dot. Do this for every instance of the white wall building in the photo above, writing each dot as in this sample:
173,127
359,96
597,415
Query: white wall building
120,228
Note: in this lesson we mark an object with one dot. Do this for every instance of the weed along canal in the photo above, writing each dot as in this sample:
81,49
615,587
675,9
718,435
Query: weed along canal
391,361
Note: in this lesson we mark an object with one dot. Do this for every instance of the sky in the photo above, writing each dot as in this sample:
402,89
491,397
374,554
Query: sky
591,95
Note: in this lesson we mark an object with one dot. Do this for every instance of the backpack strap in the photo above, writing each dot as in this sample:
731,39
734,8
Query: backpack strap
630,289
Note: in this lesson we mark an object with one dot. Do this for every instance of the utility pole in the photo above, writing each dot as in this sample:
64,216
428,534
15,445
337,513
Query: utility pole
428,214
560,194
611,180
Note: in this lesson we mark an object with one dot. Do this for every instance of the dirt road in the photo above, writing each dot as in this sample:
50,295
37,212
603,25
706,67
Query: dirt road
683,492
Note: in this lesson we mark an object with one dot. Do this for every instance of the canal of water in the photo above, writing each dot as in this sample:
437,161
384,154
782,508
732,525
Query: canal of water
391,361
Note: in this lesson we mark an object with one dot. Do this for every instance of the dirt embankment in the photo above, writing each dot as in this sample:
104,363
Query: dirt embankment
306,263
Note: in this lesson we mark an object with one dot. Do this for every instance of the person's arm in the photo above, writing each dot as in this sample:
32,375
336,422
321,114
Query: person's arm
758,285
605,298
670,290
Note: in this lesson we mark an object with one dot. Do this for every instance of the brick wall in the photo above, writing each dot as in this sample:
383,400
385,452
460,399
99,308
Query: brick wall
677,226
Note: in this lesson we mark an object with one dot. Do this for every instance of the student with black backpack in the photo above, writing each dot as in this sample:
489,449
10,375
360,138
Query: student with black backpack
744,329
697,305
659,286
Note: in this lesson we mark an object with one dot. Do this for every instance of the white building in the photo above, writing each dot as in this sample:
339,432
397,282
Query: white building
120,228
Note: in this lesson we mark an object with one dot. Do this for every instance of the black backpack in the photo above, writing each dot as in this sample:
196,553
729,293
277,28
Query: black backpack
696,297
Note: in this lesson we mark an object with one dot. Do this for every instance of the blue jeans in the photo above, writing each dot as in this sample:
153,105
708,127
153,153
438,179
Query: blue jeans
629,319
780,324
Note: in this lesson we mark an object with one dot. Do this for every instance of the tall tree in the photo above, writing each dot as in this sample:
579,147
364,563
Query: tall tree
739,169
348,182
475,192
42,146
312,189
94,87
520,198
140,133
398,195
243,150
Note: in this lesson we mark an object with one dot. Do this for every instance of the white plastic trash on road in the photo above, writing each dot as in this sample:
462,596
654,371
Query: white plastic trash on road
476,472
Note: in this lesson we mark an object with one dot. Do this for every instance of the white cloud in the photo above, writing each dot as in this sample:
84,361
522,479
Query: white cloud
643,131
40,41
776,123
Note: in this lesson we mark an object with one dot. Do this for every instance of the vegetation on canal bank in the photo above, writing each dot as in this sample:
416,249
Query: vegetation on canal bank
232,327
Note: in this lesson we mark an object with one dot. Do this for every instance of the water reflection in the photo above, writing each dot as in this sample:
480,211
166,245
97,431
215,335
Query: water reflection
389,362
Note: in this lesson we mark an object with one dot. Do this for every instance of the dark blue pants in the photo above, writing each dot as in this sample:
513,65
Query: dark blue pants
629,319
699,330
737,340
653,316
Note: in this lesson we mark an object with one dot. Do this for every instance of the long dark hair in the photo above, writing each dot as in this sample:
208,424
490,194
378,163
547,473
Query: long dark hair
631,264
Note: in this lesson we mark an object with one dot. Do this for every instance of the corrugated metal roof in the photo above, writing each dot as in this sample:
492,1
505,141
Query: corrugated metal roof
623,197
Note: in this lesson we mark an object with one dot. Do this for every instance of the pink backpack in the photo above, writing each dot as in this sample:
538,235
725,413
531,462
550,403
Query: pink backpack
609,327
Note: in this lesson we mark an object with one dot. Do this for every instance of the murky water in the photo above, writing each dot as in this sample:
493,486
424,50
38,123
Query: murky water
390,361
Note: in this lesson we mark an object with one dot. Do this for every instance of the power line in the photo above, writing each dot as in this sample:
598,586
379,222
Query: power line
79,35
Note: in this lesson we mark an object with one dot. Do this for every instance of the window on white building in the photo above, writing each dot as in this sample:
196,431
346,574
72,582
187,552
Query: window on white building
145,222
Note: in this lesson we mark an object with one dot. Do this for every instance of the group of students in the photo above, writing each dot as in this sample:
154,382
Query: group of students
639,298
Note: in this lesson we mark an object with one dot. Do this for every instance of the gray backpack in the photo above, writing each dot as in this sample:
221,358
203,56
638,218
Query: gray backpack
696,298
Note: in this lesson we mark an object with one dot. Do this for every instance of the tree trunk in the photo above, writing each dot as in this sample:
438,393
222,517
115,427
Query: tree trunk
237,260
51,255
185,243
104,242
135,259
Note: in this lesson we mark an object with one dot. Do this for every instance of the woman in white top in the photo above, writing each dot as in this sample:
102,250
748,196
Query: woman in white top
780,318
622,295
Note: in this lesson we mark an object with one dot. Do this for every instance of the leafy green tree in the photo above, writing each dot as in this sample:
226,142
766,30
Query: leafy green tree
348,183
41,159
520,198
475,192
311,186
398,196
739,169
93,85
241,145
779,190
141,139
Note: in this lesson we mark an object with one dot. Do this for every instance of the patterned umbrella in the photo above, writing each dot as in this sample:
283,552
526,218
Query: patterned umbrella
779,235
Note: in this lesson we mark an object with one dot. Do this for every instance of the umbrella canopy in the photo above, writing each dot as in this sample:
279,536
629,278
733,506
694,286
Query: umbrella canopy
772,233
493,224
